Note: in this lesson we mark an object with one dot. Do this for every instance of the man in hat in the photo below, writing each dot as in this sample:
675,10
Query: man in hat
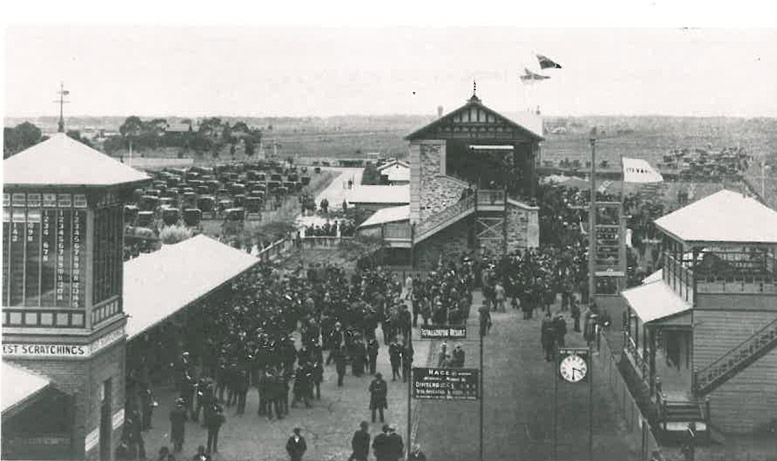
395,357
336,338
360,443
378,391
485,320
380,446
213,420
372,352
178,424
396,449
339,355
559,330
296,445
547,330
458,357
407,360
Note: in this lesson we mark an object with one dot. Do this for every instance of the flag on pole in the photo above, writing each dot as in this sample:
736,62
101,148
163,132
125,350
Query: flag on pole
65,92
547,63
639,171
531,77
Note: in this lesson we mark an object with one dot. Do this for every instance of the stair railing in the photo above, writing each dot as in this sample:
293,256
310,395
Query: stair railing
754,344
444,215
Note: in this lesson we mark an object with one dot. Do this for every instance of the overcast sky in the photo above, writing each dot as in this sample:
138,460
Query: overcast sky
295,71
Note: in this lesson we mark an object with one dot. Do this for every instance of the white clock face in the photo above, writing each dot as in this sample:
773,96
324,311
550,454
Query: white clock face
573,368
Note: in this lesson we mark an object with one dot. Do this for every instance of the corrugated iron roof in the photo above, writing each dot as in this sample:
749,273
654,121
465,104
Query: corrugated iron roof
157,285
19,385
64,161
386,215
726,217
379,194
655,301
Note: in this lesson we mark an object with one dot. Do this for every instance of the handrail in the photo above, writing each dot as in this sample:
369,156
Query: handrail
444,215
735,356
491,197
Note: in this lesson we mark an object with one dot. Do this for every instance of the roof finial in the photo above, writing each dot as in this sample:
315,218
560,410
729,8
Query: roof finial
474,97
62,93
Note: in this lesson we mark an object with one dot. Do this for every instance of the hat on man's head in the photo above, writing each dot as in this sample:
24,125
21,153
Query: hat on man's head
386,427
297,430
364,424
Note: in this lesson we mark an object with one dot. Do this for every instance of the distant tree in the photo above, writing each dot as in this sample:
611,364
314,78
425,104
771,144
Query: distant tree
20,137
249,146
131,129
113,144
211,127
76,134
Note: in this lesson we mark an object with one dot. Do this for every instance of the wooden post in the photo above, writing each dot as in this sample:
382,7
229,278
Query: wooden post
592,225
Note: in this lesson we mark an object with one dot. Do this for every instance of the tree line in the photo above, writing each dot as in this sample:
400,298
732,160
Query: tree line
212,135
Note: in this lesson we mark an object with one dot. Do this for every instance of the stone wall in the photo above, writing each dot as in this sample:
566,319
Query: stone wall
430,190
449,244
523,227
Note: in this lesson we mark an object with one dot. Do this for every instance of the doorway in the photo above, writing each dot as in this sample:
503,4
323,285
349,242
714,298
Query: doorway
106,421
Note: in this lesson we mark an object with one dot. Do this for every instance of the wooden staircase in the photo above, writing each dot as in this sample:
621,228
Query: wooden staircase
736,360
675,416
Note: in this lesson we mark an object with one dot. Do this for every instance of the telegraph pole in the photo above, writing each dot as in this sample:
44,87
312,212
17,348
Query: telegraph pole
592,224
62,93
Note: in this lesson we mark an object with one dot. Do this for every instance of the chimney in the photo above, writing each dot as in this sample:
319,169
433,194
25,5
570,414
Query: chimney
439,111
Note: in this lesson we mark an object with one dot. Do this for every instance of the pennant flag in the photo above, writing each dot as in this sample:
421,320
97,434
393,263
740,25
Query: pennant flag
639,171
530,76
546,63
66,92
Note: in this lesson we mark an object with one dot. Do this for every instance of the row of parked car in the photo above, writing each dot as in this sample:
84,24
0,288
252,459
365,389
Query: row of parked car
231,192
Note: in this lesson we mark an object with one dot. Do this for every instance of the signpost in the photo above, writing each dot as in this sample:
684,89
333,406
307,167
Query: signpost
446,383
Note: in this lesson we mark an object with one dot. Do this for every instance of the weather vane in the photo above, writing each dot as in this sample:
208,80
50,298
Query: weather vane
62,93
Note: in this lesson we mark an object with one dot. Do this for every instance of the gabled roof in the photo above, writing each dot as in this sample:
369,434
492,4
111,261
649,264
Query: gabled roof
386,215
19,385
379,194
394,163
473,102
724,217
159,284
655,301
63,161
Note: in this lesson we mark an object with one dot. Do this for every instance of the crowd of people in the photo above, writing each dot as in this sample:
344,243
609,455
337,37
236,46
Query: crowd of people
270,331
336,228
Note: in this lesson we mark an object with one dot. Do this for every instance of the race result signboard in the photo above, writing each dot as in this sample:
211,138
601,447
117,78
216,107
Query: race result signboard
446,383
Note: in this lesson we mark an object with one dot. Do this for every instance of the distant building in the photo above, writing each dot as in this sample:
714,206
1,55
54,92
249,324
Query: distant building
374,198
461,197
397,172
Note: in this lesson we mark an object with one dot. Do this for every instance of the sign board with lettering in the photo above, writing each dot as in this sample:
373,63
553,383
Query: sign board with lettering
446,383
51,350
444,332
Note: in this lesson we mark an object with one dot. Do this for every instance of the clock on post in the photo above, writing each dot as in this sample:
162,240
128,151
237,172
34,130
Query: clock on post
574,364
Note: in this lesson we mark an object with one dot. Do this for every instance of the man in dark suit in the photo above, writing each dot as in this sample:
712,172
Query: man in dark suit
360,443
378,391
296,446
